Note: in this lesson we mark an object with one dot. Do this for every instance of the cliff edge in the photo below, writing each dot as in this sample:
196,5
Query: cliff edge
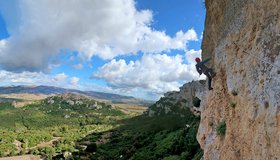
242,37
175,102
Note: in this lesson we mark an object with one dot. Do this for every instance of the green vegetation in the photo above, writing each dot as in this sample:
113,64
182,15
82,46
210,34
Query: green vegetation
234,92
221,128
232,104
59,127
196,101
64,120
161,137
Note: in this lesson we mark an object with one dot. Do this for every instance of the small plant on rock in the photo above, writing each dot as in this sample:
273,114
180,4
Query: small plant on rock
232,104
234,92
221,128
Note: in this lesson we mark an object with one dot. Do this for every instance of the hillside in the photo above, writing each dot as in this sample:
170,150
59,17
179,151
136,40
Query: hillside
166,131
50,90
53,125
74,126
240,118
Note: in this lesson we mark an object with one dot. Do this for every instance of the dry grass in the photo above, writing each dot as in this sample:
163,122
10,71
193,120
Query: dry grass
25,97
131,108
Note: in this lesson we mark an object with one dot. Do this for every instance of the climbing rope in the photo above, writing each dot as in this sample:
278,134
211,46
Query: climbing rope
257,57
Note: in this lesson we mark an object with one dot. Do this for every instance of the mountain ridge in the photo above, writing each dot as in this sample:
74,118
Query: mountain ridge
49,90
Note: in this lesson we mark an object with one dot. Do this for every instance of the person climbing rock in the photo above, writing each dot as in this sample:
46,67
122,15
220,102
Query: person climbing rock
201,68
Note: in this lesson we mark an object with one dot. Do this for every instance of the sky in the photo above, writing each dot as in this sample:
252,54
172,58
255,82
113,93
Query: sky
140,48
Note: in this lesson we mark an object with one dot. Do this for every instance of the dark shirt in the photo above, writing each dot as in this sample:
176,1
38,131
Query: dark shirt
200,66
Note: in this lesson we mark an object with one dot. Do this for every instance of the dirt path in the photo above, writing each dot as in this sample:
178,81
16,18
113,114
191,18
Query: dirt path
47,144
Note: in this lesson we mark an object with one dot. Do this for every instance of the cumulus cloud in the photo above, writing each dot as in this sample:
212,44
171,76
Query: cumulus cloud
2,46
191,55
74,81
41,29
201,36
78,66
60,77
156,73
38,78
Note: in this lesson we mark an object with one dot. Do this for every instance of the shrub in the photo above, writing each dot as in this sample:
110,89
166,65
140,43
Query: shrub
196,102
198,155
232,104
174,157
35,151
234,92
91,148
184,100
221,128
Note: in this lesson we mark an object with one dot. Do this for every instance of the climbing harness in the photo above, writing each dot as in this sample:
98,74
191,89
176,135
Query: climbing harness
257,57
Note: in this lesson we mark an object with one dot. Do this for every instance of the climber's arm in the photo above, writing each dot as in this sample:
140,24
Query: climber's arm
206,60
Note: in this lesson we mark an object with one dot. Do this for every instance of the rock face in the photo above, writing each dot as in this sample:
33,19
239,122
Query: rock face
174,101
253,123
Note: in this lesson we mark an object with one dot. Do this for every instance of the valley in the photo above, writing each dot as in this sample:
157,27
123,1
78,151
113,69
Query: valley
75,126
53,125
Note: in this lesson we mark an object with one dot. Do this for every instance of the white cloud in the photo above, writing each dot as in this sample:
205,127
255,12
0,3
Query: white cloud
191,55
60,77
2,46
78,66
29,78
156,73
106,28
74,81
2,43
38,78
201,36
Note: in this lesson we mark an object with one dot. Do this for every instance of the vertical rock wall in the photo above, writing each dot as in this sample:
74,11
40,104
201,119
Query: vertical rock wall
253,123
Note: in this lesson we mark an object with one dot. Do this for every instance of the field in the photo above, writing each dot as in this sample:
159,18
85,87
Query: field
131,108
20,100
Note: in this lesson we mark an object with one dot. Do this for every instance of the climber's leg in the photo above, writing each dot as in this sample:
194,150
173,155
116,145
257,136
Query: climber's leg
209,83
211,72
209,77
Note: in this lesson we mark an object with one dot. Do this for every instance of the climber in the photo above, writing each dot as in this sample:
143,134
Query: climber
201,68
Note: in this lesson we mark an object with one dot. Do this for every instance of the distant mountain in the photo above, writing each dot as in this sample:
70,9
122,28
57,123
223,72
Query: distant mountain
48,90
32,90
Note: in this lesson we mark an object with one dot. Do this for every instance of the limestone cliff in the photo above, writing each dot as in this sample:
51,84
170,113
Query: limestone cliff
175,101
252,113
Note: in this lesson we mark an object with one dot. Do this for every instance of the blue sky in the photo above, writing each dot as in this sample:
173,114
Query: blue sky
142,48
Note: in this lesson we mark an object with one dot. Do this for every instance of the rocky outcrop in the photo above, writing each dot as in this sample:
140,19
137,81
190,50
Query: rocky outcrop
174,101
74,100
243,39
